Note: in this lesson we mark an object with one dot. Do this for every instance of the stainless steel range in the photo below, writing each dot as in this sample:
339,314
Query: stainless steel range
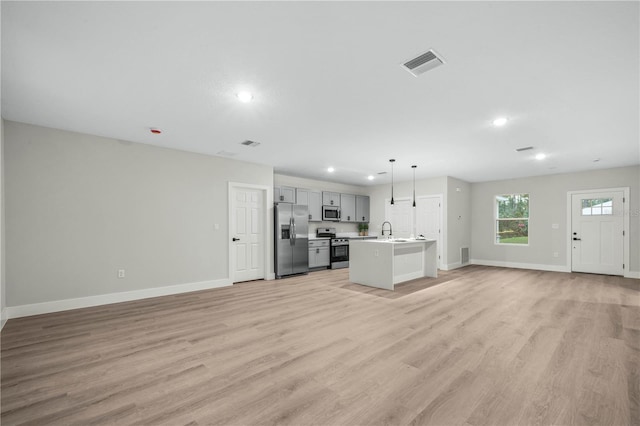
339,248
339,253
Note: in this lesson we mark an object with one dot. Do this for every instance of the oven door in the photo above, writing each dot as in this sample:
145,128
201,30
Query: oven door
330,213
340,253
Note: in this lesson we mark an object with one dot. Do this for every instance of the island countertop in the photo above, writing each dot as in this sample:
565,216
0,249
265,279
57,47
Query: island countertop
385,263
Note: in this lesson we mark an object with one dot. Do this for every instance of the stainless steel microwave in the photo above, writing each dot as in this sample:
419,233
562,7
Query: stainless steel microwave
331,213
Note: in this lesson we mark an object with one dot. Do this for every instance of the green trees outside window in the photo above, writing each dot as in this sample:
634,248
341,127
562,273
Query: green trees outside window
512,221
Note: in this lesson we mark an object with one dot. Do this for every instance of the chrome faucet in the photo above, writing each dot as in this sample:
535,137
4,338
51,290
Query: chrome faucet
390,228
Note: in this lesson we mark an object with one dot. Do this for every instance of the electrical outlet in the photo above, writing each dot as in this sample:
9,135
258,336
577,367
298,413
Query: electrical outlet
375,253
216,226
120,273
555,254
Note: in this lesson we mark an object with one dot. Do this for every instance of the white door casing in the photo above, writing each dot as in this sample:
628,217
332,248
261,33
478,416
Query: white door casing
598,232
247,233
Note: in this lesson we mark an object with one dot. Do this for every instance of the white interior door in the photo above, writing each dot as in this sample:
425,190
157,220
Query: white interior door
597,241
247,234
428,220
400,214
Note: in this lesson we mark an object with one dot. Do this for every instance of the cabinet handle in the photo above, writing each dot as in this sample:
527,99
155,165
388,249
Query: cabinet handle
317,250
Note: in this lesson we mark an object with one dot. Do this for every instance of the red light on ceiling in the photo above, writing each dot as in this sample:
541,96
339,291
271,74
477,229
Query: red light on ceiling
156,131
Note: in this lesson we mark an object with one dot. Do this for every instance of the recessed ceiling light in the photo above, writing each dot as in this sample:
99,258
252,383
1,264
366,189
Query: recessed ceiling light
500,121
331,170
541,156
245,96
370,177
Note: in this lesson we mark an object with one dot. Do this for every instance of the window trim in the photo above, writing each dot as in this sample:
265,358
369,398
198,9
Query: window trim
496,219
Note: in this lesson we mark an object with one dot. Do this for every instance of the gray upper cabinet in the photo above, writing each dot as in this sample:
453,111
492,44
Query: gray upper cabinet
315,206
347,208
284,194
312,199
330,199
362,208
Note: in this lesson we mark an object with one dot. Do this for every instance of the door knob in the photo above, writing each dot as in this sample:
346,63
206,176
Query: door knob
236,239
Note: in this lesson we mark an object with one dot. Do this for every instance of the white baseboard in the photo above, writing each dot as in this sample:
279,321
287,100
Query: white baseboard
3,318
536,266
270,276
633,274
450,266
106,299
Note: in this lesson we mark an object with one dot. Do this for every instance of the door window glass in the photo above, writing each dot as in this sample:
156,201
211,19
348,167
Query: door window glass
597,206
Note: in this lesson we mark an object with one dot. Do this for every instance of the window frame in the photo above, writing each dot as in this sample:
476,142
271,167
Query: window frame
496,220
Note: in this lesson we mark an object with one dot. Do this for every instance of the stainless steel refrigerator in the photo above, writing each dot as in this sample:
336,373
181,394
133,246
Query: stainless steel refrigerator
291,239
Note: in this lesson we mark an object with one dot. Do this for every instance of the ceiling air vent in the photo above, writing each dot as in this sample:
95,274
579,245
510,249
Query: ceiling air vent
252,144
423,63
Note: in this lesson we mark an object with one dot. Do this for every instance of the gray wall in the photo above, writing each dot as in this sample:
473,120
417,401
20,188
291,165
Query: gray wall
548,206
457,222
381,194
80,207
3,299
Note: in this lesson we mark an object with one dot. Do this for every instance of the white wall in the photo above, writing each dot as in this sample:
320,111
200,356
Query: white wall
297,182
3,299
548,205
456,211
381,195
80,207
457,203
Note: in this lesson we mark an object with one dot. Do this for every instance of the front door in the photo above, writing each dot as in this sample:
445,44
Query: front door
597,241
247,234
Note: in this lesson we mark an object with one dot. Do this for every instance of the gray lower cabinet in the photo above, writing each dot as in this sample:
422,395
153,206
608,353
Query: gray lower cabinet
318,253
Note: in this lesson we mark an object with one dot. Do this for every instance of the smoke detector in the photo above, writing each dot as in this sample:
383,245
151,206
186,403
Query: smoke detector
423,63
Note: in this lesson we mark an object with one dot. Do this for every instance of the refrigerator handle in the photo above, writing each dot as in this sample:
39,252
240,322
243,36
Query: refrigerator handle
294,230
291,231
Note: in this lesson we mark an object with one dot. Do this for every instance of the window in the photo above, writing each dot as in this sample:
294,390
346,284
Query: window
597,207
512,219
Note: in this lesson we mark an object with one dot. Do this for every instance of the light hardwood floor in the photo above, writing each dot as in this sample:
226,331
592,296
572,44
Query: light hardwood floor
476,346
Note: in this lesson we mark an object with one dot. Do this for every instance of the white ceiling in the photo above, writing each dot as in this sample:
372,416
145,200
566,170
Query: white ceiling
328,88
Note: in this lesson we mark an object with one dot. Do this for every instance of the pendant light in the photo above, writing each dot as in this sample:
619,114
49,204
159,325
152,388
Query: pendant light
392,161
414,185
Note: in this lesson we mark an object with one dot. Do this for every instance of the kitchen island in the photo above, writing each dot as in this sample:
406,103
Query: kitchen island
385,263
